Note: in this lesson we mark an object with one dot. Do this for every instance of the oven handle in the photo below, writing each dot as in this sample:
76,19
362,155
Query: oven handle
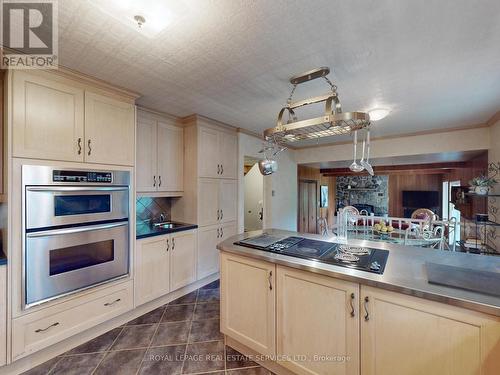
77,188
57,232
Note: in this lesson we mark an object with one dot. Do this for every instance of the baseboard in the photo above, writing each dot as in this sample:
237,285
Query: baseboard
35,359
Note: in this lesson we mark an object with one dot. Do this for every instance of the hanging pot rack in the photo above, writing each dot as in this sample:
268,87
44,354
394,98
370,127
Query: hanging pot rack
333,122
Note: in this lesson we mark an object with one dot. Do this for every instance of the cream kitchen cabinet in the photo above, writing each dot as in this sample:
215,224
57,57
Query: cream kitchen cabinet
217,152
182,259
403,335
208,255
317,323
47,118
218,199
248,302
58,118
109,130
3,315
152,268
164,264
160,155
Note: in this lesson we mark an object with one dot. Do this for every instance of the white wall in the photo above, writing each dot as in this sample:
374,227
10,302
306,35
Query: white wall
280,210
254,195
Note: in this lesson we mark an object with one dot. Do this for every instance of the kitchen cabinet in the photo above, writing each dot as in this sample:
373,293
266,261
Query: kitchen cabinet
248,302
3,315
48,118
217,152
40,329
317,319
152,268
57,118
218,200
160,155
182,259
402,334
208,255
109,130
146,155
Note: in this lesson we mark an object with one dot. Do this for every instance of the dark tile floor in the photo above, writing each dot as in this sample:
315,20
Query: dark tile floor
181,337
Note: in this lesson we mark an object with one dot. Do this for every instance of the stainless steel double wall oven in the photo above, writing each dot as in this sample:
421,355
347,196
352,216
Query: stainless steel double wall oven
75,230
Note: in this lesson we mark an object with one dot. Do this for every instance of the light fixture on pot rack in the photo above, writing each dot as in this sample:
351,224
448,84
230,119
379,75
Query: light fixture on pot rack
333,121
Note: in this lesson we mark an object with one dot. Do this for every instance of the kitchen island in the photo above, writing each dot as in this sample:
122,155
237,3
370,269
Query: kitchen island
302,316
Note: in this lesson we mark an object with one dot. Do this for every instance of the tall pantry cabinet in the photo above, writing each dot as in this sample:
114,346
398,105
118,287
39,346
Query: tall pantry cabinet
210,187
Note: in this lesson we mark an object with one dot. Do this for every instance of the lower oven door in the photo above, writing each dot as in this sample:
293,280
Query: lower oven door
62,261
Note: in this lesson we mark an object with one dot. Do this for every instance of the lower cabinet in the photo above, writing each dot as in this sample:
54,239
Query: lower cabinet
182,259
164,264
402,334
152,268
3,315
208,238
317,323
248,305
43,328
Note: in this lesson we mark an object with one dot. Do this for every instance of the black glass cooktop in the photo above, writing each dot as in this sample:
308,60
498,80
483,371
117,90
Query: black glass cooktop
361,258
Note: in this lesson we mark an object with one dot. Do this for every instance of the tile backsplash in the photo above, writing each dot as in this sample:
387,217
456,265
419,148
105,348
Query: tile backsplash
148,208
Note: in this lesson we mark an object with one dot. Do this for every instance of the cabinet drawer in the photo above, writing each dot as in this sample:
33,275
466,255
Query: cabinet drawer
39,330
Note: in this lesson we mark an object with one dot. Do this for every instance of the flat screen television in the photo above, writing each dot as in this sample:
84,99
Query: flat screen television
421,199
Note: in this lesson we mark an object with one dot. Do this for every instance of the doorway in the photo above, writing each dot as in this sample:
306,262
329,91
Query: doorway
254,195
308,210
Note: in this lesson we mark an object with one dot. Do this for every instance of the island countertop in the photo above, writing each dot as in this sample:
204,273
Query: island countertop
405,271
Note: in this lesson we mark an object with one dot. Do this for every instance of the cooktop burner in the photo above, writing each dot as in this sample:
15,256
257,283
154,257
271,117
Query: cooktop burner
362,258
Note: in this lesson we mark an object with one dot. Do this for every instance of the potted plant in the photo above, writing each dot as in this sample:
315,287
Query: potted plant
482,184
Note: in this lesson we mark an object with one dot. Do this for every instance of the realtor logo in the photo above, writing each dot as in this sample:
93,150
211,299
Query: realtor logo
29,34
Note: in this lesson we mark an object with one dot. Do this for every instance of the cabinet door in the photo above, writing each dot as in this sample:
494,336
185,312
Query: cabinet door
228,230
170,157
146,156
3,315
152,269
248,302
48,119
228,200
208,201
209,153
182,259
208,255
229,155
409,335
109,130
317,320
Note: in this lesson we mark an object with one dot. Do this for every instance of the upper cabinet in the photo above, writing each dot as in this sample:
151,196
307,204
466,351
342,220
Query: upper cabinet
109,130
57,118
48,118
160,155
217,153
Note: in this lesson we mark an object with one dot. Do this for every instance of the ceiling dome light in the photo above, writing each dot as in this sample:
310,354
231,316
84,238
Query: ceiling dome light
378,114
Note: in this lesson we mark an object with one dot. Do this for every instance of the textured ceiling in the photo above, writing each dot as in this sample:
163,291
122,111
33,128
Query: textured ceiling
434,63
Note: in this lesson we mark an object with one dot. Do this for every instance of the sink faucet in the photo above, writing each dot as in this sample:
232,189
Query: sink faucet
162,217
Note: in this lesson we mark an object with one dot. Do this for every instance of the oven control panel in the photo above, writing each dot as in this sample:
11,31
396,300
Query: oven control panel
82,176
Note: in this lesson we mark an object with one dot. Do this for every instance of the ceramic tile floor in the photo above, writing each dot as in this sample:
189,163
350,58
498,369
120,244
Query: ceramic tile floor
181,337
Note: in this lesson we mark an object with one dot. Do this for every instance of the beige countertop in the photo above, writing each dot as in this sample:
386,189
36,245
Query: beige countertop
405,271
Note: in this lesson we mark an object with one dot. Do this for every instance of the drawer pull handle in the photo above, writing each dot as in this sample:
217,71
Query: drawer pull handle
270,279
367,315
218,168
159,181
173,244
45,329
154,181
168,245
90,148
351,301
79,146
112,303
221,169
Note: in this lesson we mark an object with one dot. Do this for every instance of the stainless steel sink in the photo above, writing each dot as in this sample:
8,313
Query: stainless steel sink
167,225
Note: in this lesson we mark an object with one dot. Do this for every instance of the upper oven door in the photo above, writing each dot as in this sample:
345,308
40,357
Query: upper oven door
48,206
